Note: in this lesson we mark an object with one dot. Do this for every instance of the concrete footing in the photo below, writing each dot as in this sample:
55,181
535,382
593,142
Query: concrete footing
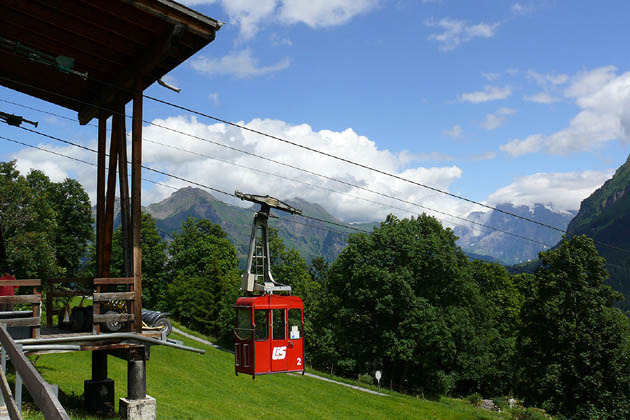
99,395
142,409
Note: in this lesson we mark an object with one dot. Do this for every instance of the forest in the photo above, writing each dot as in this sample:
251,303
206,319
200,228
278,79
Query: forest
403,299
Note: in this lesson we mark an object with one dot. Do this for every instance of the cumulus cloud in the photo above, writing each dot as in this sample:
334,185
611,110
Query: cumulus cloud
226,169
250,16
489,93
604,100
563,191
456,31
493,121
241,65
454,132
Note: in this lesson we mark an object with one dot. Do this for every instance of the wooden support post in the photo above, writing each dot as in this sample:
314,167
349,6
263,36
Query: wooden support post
136,185
100,193
109,207
123,177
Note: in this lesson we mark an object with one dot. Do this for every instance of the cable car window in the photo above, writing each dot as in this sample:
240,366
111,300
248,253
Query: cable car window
244,323
295,324
279,327
262,325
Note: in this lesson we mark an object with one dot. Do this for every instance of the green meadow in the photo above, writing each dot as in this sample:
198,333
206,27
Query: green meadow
192,386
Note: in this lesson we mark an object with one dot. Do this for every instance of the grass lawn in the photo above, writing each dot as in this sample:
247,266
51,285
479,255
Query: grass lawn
192,386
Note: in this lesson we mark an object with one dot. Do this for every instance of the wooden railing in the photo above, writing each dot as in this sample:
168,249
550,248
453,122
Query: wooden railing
100,298
34,299
97,288
39,389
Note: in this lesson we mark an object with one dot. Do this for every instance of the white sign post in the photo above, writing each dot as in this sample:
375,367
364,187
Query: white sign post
378,379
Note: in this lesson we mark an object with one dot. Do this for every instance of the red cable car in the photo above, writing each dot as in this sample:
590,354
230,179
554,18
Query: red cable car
269,330
269,335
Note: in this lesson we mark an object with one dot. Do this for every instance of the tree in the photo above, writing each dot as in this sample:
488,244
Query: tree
73,230
401,299
202,278
154,260
573,345
27,221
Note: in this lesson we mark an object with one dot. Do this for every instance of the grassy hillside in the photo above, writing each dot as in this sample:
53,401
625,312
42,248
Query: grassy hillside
192,386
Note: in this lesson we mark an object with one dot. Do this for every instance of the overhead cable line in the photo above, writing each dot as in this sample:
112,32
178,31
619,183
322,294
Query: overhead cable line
294,167
290,143
513,268
315,174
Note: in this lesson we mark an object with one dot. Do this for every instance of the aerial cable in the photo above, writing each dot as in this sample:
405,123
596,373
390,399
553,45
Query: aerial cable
513,268
287,142
306,183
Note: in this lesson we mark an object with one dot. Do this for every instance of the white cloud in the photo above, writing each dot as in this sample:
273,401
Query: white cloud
241,65
563,191
456,31
604,100
454,132
547,80
541,98
250,16
338,143
493,121
215,98
489,93
491,77
323,12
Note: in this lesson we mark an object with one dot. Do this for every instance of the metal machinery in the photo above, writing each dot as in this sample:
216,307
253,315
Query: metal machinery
269,332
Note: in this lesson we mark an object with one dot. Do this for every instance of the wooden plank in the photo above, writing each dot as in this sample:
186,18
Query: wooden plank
36,385
114,280
112,318
22,322
108,229
136,205
100,192
22,282
21,299
123,177
62,280
12,408
106,297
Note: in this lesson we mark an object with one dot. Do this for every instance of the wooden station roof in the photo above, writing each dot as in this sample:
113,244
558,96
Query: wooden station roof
112,43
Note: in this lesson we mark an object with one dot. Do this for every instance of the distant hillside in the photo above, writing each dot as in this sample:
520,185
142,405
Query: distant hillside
509,249
312,238
605,217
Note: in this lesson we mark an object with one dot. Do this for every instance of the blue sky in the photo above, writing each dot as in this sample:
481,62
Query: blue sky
498,101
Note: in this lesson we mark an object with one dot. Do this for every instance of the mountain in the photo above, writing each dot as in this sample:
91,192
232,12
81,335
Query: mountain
311,237
605,217
511,248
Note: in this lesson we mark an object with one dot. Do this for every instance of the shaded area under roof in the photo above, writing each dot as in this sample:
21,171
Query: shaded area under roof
112,43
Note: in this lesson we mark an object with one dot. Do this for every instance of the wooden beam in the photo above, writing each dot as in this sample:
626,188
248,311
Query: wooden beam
21,299
136,190
36,385
109,205
24,282
108,297
113,318
22,322
114,280
123,177
100,193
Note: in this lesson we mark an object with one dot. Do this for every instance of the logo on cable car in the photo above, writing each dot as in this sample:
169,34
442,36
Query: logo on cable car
279,353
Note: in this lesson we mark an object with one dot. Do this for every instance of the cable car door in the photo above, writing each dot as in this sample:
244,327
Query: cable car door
279,342
295,350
